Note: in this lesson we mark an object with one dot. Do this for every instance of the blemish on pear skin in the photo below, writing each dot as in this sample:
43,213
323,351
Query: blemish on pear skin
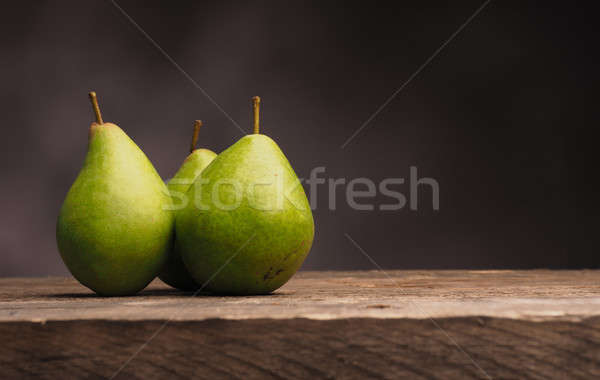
268,276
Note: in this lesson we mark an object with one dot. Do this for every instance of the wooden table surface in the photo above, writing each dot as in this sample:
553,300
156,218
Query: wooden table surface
395,324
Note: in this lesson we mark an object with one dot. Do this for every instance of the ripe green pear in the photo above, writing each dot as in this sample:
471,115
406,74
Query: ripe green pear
174,272
115,227
248,226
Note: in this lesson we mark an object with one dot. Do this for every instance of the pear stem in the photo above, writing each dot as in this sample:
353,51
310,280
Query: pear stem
256,104
96,107
197,125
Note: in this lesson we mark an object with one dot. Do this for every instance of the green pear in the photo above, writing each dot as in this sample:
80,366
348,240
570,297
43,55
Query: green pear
174,272
248,226
115,227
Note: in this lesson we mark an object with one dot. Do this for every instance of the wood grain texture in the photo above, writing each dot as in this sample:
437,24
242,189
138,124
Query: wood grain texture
533,295
303,348
349,325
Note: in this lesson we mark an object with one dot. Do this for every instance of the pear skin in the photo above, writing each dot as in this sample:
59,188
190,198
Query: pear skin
249,226
174,273
115,227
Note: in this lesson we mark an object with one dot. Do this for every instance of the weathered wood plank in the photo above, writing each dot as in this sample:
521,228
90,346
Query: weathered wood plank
413,324
534,295
302,348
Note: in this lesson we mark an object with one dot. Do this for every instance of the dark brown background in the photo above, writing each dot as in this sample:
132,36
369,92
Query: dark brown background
502,117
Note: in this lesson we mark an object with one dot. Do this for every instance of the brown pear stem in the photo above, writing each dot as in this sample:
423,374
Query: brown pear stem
94,101
197,125
256,103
